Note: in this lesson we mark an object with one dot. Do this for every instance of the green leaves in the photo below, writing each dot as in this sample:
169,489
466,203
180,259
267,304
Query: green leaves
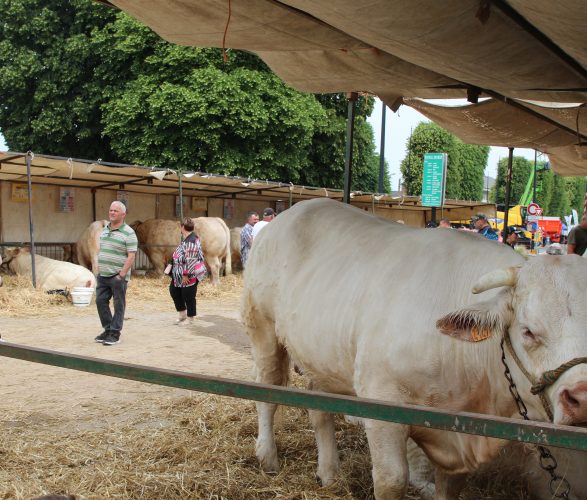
79,79
466,162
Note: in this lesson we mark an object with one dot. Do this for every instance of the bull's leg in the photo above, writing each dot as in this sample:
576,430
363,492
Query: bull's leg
449,486
388,446
421,471
323,424
271,367
328,464
214,263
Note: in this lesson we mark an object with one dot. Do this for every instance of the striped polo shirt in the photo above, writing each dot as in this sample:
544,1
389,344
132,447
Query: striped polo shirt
115,244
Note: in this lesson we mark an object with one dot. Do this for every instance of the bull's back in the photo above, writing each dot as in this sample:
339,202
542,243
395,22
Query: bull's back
331,275
214,235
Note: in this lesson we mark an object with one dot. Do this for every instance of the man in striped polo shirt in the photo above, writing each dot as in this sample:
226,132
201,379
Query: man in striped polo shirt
118,248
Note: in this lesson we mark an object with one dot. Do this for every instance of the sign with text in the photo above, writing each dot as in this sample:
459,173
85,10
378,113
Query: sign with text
433,180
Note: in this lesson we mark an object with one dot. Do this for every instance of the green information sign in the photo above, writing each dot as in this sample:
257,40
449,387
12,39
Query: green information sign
434,179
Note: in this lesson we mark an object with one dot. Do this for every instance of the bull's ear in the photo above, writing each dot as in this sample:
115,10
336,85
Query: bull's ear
476,322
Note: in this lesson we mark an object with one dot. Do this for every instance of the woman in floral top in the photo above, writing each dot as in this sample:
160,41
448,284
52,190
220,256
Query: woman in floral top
188,269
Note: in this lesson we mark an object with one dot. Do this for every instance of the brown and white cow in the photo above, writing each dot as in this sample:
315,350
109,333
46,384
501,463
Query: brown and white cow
359,303
158,238
50,274
87,247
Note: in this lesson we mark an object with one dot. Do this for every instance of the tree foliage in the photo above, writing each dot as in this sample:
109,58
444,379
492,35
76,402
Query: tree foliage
466,163
555,194
82,80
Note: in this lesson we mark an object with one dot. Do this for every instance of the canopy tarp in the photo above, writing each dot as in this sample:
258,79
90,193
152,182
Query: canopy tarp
60,171
494,123
529,49
519,49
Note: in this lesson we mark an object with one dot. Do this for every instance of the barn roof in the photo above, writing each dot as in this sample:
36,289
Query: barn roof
90,174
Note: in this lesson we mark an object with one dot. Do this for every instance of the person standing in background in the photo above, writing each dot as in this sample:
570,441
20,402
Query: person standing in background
118,248
187,270
577,242
268,216
483,227
444,222
247,236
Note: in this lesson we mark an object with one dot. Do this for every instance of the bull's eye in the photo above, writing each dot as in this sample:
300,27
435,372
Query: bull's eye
528,335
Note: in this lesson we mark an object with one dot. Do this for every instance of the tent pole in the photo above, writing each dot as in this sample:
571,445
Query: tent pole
93,204
508,185
380,188
180,197
29,156
348,161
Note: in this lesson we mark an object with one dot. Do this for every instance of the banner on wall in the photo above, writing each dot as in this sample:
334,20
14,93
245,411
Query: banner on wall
20,192
228,209
199,203
66,199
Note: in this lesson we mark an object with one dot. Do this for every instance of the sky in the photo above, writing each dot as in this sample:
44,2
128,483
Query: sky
397,133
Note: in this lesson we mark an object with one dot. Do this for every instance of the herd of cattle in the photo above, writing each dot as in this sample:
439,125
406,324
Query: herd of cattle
380,310
158,238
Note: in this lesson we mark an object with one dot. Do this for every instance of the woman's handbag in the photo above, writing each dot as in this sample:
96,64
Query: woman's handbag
200,270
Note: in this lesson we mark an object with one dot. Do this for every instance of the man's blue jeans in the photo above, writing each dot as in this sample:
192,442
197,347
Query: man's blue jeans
106,289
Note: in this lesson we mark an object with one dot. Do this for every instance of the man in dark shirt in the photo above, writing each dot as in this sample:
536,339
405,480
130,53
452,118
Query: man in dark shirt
578,238
483,227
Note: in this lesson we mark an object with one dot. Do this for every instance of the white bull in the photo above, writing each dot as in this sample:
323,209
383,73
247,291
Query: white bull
50,274
359,304
87,247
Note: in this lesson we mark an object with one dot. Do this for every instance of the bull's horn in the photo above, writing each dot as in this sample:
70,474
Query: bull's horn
497,278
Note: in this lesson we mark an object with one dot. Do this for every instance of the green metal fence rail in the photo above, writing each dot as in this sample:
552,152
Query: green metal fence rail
469,423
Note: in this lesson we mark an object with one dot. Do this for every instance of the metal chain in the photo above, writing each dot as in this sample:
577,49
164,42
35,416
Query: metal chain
559,486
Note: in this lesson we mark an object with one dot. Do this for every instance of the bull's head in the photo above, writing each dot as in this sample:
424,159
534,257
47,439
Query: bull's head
543,310
10,253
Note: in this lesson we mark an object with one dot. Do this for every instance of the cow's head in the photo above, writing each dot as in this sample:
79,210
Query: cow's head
543,308
11,252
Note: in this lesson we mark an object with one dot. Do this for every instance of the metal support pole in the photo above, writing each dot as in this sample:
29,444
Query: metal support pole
93,205
433,215
350,132
533,242
508,185
380,188
180,197
534,191
29,158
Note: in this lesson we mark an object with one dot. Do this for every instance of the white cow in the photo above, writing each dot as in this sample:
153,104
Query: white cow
159,238
50,274
87,247
359,303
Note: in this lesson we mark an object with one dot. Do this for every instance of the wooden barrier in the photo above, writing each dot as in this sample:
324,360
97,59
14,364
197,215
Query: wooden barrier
469,423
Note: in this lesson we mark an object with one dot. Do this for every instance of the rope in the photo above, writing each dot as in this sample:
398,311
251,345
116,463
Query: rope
224,52
550,377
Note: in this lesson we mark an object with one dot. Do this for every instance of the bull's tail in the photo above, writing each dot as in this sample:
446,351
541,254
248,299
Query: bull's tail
228,261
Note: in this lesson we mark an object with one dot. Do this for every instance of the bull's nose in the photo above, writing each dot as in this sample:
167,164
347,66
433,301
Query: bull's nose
573,402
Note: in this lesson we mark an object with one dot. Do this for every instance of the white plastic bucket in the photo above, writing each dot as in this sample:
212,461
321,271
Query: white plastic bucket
81,296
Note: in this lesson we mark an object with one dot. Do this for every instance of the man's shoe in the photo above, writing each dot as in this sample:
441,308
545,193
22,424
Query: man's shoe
100,338
110,340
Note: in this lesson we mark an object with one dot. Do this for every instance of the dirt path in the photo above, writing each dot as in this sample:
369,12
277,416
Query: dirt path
215,346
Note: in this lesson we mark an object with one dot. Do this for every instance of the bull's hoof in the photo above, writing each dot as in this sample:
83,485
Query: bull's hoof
326,478
267,457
